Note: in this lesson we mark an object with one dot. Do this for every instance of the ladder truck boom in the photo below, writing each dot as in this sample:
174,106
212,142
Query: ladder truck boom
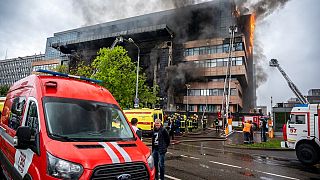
293,87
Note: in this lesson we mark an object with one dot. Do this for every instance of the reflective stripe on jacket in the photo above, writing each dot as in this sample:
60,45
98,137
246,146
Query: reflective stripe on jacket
246,127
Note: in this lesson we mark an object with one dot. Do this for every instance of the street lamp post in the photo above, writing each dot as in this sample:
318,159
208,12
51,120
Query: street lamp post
136,100
187,108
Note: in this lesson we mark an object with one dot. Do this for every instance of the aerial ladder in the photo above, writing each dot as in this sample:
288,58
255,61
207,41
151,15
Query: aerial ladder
293,87
227,84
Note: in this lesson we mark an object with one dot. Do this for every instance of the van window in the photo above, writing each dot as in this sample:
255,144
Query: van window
297,119
83,120
160,116
32,117
16,112
33,122
155,116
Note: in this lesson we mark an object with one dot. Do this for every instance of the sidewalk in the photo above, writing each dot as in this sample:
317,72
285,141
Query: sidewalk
237,138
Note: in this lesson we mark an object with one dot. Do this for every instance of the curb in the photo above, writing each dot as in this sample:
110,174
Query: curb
209,139
205,137
265,149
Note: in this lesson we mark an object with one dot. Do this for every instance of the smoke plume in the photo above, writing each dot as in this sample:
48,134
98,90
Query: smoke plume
180,74
261,8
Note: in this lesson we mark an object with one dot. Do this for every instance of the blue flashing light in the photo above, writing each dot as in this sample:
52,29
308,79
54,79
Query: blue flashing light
68,75
301,105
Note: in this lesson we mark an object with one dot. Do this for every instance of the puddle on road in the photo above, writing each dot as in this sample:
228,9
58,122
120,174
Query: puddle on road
173,158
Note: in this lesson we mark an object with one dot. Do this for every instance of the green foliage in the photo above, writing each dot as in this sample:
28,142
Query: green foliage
4,90
83,70
61,69
115,68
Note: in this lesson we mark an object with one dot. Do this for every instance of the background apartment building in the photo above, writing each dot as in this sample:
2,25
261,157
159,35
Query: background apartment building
12,70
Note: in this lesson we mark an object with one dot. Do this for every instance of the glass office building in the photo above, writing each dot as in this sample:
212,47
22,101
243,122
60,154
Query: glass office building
188,45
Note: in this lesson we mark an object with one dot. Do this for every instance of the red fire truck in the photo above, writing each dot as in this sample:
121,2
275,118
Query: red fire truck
302,132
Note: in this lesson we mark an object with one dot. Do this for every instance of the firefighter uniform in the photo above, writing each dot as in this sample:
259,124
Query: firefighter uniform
246,132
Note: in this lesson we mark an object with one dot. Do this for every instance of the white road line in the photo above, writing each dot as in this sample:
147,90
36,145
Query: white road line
169,152
170,177
272,174
277,175
193,157
225,164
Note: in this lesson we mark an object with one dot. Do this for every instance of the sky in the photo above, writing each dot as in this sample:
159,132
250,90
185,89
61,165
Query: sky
290,34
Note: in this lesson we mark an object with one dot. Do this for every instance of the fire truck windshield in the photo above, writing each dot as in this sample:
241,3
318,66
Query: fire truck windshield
83,120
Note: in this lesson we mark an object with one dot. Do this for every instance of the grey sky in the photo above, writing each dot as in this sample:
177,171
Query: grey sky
289,35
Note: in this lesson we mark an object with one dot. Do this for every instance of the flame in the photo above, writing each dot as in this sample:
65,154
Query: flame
252,26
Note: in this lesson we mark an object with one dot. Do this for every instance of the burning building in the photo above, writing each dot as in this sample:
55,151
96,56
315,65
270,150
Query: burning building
184,50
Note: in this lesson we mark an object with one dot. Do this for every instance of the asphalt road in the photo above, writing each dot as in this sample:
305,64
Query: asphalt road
211,160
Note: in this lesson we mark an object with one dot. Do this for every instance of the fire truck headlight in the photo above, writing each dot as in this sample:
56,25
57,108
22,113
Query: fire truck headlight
60,168
150,162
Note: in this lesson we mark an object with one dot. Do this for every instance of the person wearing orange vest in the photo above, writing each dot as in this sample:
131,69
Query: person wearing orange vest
246,132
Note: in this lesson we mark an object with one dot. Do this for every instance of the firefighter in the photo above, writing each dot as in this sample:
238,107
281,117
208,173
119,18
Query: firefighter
216,123
178,123
182,123
246,132
251,132
263,130
195,121
190,125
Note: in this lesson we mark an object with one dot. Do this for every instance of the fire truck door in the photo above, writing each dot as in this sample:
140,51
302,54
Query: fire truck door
297,127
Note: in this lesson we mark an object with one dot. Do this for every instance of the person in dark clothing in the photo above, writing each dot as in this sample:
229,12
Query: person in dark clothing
216,123
172,129
263,130
160,143
251,133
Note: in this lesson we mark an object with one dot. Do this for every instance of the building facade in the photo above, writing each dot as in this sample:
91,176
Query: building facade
184,50
12,70
45,64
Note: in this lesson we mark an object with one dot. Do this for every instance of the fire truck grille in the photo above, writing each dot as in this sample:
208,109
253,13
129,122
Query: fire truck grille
114,171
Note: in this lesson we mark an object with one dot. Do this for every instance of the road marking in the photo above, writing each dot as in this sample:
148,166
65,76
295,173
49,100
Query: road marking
169,152
225,164
205,166
272,174
193,157
277,175
170,177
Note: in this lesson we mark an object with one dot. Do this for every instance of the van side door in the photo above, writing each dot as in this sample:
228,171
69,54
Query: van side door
11,125
24,158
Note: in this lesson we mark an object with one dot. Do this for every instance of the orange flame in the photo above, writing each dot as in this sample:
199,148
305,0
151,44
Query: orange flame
252,26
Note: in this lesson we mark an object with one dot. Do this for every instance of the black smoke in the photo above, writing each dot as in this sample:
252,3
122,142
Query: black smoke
261,8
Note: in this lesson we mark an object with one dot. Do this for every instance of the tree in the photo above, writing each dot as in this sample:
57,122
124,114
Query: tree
61,69
4,90
118,73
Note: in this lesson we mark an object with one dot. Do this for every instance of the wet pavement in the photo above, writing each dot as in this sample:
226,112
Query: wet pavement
205,159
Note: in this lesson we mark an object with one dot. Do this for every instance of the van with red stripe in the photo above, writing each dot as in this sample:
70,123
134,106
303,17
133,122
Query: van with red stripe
302,132
55,127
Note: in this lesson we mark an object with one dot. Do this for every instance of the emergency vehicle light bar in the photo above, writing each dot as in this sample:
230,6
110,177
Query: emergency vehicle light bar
301,105
68,75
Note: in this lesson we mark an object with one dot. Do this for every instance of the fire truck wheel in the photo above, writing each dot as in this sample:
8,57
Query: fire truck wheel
307,154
